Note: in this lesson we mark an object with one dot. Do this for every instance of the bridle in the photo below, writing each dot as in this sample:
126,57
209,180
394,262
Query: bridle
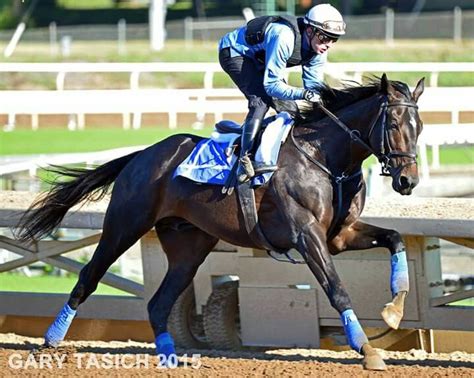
381,121
382,156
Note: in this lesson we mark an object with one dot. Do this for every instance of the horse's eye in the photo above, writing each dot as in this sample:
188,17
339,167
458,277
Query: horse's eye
393,125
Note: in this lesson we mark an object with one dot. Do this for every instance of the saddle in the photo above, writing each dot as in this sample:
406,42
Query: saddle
226,127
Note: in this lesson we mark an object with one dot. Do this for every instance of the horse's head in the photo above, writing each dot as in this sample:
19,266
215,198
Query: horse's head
398,133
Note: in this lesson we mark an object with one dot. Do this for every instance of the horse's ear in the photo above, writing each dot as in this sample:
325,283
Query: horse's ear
384,84
420,87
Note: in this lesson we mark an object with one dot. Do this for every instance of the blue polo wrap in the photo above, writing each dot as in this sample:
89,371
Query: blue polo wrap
354,332
58,329
165,345
399,276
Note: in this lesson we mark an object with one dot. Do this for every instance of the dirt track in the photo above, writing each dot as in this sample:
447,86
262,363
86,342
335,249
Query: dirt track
130,359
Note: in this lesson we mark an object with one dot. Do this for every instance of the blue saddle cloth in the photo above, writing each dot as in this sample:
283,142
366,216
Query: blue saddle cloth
209,164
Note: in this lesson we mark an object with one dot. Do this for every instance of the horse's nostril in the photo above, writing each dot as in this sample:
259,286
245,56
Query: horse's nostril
405,182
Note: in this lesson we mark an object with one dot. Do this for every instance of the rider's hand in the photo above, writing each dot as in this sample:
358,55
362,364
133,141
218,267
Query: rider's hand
312,96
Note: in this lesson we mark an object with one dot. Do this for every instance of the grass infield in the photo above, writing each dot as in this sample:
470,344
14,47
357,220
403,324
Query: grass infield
48,284
48,141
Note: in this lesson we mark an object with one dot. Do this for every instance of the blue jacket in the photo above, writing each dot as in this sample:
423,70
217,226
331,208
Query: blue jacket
278,45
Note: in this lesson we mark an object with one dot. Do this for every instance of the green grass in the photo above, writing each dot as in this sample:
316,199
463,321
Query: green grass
85,4
465,302
44,140
47,284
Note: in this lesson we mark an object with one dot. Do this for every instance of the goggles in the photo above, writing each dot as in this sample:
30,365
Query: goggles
333,26
324,38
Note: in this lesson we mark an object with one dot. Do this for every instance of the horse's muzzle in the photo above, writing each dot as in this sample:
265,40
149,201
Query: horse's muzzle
404,184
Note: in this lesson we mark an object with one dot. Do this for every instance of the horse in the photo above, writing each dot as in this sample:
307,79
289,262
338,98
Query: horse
312,204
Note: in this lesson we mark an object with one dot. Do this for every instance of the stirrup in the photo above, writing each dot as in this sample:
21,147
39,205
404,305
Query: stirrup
261,168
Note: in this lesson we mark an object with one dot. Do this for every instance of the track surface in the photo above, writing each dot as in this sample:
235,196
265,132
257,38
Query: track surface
94,359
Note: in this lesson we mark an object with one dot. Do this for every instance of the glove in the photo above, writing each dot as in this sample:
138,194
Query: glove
312,96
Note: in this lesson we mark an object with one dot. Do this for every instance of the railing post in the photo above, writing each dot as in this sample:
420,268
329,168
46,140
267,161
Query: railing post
434,79
457,24
208,79
60,78
135,80
121,36
389,26
188,31
53,38
134,85
34,121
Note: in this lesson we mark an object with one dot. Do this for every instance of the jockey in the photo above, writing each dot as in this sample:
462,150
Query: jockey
255,57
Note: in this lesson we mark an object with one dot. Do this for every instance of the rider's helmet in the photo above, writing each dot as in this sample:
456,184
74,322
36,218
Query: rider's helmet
326,19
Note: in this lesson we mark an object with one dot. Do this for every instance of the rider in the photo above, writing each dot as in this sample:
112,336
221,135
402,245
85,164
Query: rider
255,57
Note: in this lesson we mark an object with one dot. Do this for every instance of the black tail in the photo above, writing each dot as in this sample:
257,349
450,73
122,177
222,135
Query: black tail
46,212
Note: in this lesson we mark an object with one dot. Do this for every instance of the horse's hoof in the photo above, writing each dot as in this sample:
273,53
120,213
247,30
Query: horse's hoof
372,359
392,315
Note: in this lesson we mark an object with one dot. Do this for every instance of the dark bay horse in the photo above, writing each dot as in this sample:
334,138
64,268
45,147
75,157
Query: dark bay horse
312,204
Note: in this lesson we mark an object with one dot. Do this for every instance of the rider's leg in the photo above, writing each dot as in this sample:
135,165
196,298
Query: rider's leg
252,124
249,78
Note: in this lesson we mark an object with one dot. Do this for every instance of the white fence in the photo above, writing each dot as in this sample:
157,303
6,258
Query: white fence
171,101
350,70
216,101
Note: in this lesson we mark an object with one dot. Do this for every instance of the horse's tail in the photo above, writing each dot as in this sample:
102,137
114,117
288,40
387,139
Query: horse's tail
46,212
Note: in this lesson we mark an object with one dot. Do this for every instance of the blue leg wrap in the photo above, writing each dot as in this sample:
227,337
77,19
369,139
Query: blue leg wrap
354,332
399,277
165,347
58,329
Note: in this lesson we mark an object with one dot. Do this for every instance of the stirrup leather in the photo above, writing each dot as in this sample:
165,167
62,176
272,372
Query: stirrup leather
245,170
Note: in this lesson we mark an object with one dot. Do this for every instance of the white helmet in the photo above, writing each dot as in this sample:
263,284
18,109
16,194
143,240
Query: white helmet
327,19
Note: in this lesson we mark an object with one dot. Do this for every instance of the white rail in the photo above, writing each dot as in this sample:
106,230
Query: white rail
173,101
352,69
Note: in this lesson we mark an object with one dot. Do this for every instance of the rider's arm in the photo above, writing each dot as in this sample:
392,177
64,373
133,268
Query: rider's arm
313,75
279,44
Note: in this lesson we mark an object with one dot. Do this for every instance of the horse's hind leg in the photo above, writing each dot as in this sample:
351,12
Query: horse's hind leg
185,249
312,245
364,236
116,238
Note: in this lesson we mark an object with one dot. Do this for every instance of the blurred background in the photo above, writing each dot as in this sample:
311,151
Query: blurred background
85,81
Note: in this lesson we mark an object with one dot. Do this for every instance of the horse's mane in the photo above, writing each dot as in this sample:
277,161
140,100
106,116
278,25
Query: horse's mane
351,92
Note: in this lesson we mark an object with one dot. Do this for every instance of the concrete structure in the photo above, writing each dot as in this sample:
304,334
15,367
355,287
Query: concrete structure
273,295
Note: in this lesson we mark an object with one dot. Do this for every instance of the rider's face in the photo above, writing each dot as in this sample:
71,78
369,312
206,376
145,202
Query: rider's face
320,43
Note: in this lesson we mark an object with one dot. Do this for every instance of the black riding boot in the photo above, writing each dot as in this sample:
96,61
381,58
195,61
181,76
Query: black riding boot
245,171
247,168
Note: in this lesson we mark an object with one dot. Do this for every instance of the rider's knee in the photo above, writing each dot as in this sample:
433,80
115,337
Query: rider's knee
257,106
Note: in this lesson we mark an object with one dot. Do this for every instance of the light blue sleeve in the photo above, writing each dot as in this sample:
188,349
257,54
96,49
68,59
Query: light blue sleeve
313,74
279,45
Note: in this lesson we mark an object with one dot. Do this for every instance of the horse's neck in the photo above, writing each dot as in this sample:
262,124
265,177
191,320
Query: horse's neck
339,152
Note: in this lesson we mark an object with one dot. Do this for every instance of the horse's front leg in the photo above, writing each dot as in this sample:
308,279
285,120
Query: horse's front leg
364,236
312,245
